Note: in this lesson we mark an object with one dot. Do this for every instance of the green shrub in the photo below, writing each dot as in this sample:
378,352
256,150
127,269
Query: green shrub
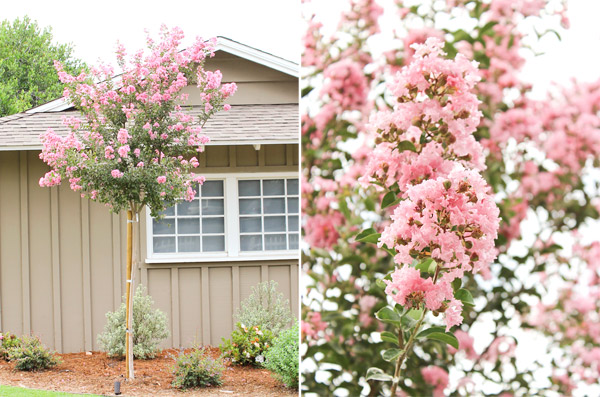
266,308
197,369
32,355
8,342
247,345
283,357
149,328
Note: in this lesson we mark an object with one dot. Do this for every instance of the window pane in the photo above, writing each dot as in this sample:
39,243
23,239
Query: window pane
249,206
212,189
251,243
213,243
170,211
292,186
273,187
275,242
293,241
292,224
188,226
250,224
164,226
163,244
188,208
292,205
274,223
274,206
213,207
188,244
213,225
249,188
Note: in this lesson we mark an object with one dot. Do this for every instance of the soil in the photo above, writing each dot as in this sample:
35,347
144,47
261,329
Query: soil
97,373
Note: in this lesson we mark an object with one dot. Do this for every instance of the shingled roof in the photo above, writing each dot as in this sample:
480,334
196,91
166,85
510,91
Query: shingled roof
242,125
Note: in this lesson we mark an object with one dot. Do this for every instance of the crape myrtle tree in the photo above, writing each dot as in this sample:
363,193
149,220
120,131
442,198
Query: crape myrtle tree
134,145
446,212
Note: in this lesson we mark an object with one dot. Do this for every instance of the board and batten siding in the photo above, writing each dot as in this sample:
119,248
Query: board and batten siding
62,260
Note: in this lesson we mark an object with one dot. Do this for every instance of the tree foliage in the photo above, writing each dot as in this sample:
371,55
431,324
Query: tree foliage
27,75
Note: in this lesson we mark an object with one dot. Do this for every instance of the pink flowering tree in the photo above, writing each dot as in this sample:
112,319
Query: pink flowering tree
423,174
134,144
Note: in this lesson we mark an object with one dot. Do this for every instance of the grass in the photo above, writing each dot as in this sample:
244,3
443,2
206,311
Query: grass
10,391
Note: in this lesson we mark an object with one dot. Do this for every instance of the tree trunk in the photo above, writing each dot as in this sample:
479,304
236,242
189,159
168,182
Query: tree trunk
129,298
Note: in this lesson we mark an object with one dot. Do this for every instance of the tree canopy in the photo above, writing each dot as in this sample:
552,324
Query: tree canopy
27,75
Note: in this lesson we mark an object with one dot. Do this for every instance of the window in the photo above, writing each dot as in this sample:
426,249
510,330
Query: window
232,217
268,211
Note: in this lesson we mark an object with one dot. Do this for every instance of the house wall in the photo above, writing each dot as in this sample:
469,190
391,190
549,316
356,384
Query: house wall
257,84
62,260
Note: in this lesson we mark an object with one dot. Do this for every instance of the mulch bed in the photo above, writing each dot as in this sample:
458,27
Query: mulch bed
96,373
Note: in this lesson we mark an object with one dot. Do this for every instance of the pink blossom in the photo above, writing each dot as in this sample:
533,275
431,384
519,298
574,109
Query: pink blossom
116,174
437,377
161,179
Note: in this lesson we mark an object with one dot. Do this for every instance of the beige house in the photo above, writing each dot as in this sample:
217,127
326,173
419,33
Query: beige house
62,258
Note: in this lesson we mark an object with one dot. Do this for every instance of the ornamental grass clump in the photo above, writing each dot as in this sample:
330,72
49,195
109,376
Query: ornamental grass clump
149,328
32,355
247,345
283,357
197,369
266,308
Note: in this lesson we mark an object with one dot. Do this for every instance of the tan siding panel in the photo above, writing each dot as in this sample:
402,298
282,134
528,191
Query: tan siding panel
281,274
71,269
159,288
217,156
239,70
101,267
10,243
246,156
190,306
255,93
220,304
40,253
249,277
275,155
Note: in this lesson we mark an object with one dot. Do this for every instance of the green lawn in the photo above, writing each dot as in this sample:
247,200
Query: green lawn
9,391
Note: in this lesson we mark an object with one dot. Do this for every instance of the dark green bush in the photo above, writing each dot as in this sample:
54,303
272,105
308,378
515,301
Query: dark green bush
197,369
247,345
283,357
32,355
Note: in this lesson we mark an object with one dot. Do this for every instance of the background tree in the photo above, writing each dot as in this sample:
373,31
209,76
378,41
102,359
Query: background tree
135,145
27,75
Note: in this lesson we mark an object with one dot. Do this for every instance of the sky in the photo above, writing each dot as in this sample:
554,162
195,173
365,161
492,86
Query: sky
94,27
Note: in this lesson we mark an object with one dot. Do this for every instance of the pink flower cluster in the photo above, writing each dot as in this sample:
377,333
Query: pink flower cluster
446,213
437,377
436,113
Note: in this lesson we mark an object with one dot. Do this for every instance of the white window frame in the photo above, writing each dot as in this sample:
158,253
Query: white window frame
232,226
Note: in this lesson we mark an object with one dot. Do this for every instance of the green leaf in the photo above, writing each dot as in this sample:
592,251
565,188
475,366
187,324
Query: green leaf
408,322
406,145
389,337
464,296
415,314
368,236
424,265
389,250
550,249
391,354
430,331
456,284
380,283
444,337
378,374
389,199
388,315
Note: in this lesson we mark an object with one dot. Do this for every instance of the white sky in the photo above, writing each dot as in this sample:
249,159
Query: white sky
94,27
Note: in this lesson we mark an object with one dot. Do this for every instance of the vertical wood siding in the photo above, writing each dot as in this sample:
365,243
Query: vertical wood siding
62,261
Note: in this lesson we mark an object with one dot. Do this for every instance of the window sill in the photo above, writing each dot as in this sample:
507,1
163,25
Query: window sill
261,256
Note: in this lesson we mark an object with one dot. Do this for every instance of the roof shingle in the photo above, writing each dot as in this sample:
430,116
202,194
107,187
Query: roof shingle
243,124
